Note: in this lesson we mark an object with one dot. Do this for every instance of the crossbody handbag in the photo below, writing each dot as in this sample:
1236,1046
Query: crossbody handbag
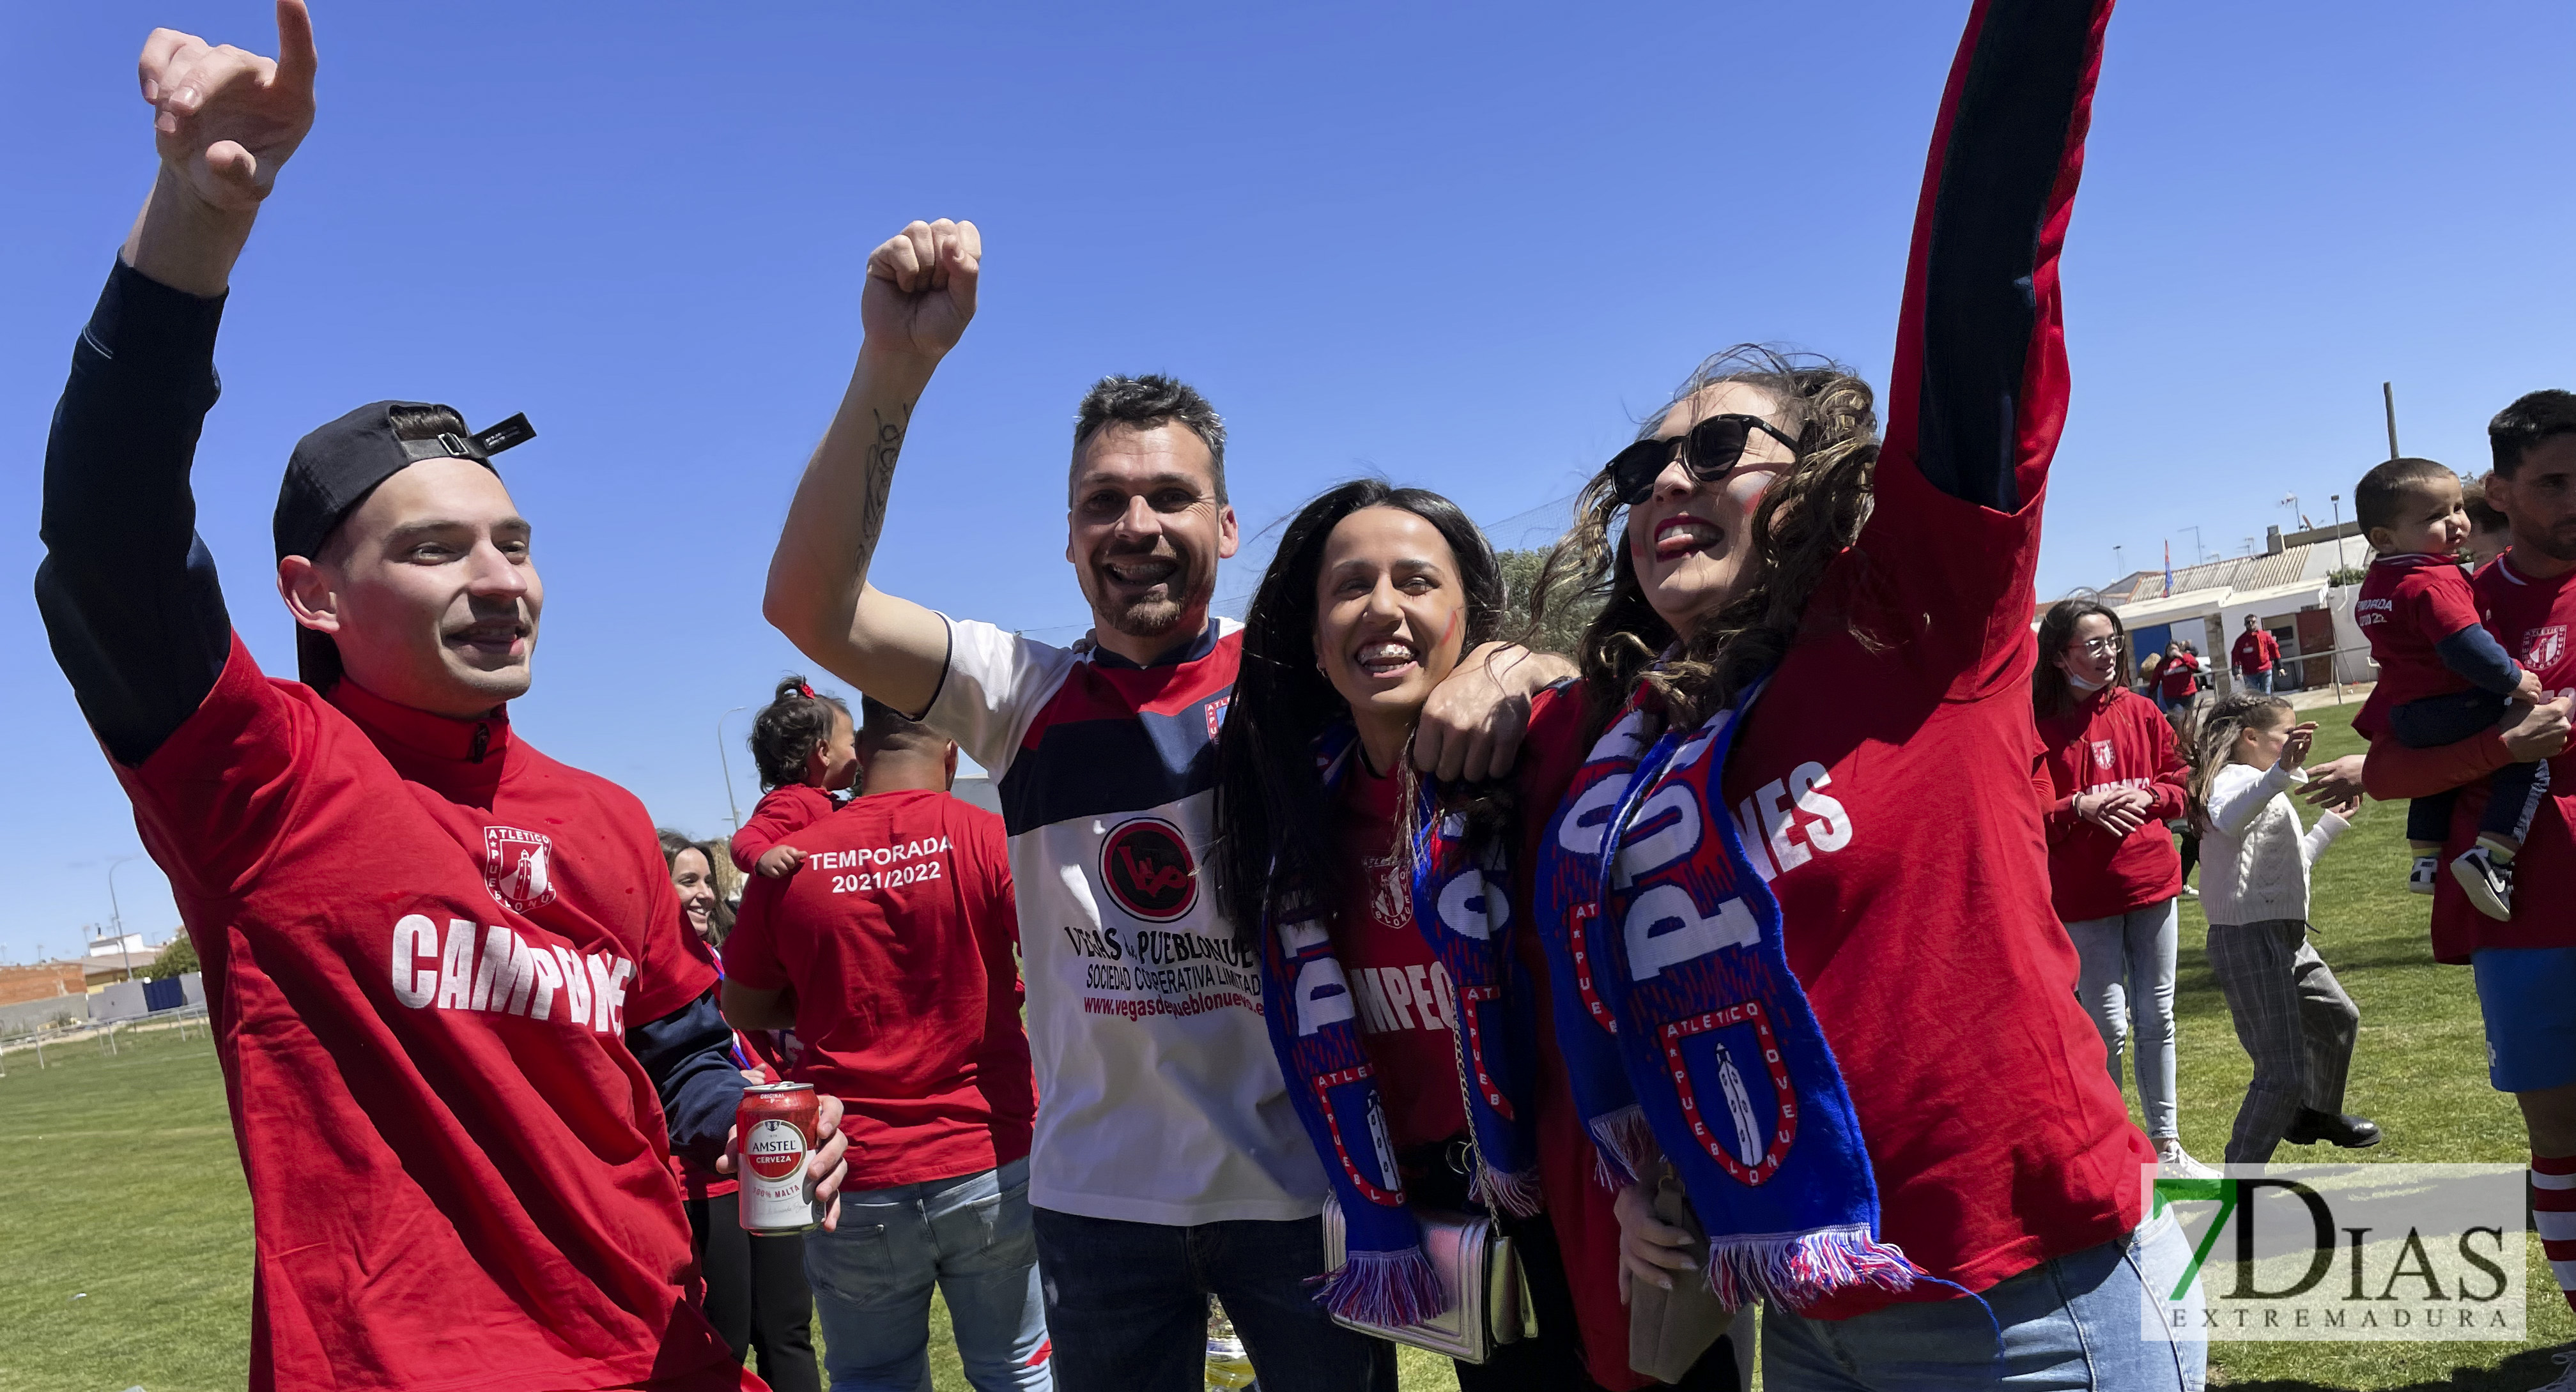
1488,1300
1480,1273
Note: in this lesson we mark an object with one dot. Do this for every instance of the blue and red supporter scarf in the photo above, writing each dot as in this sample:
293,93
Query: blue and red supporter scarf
1667,945
1462,909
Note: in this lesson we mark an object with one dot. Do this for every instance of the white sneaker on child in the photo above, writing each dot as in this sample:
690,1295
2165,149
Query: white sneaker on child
2173,1162
2427,870
2489,882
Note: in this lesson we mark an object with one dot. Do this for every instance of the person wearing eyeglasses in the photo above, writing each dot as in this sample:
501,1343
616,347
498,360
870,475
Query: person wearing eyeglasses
2110,778
1810,738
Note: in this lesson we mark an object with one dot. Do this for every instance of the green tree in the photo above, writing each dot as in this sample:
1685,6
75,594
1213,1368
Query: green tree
178,959
1567,614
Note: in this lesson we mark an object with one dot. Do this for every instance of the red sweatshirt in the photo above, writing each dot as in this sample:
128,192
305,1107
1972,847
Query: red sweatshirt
782,813
2256,652
2112,739
2181,676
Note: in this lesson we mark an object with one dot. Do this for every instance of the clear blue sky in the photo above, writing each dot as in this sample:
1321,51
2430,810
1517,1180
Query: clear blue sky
1464,246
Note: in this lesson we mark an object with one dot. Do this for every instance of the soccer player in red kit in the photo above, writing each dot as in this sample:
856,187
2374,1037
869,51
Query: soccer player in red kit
452,997
891,954
2525,968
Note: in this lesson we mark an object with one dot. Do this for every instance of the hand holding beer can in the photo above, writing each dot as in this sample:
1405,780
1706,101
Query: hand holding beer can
774,1128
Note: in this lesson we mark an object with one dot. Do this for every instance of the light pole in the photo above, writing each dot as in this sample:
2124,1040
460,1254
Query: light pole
124,949
726,764
2337,500
2118,564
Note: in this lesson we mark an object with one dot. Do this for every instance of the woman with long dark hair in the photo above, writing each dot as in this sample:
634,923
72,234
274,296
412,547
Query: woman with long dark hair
1797,889
756,1295
2109,779
1404,990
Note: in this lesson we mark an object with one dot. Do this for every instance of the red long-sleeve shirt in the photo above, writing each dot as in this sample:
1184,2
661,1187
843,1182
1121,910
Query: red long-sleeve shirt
2180,675
782,813
2256,652
2112,739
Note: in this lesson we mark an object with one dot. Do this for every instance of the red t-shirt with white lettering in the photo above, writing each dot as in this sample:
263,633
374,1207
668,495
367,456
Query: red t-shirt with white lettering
1884,789
2407,604
2534,619
897,937
422,942
2113,738
1405,1001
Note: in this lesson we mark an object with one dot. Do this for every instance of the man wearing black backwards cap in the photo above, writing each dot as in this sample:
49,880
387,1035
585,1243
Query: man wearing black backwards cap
460,1024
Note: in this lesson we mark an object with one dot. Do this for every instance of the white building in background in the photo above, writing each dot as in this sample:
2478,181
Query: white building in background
2289,590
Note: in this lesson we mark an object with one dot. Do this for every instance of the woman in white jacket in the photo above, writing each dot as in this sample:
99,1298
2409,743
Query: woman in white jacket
2291,1015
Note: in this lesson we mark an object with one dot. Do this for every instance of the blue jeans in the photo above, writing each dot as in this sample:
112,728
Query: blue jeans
1128,1304
2076,1322
2259,681
2514,790
2128,969
969,1236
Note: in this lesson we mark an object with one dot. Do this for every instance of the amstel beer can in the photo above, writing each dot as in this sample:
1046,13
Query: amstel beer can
775,1129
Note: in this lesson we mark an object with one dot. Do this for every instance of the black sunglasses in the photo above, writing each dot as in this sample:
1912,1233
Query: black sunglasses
1709,451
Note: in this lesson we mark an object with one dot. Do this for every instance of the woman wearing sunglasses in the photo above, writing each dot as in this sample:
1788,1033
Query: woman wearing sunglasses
1408,1004
1798,888
2109,778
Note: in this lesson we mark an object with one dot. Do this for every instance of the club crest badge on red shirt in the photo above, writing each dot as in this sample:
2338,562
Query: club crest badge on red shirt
515,867
2543,647
2103,754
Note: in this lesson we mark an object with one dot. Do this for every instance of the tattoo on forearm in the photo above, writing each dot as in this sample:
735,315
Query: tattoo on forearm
881,454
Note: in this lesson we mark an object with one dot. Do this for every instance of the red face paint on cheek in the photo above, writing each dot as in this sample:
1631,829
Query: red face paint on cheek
1456,617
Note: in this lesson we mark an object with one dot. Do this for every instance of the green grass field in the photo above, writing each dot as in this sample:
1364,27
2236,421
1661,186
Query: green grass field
125,1252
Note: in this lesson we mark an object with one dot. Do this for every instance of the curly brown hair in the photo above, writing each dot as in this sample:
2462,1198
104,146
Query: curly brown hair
1809,515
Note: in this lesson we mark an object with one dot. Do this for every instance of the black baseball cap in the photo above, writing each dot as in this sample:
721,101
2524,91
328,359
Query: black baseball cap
334,468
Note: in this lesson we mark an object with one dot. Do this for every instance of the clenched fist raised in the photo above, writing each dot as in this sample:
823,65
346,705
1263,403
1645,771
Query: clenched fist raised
921,289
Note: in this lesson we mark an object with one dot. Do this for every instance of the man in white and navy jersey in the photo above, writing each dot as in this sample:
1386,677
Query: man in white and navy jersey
1166,1164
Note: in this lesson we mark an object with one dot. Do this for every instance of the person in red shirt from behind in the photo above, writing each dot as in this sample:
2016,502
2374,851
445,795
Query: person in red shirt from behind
890,953
460,1026
2179,679
805,750
2108,780
2525,968
2254,655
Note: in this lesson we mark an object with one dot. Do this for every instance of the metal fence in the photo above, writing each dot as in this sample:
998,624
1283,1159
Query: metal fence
100,1035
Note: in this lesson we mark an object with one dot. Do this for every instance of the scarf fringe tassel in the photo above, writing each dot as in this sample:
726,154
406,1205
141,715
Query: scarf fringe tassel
1516,1194
1385,1288
1800,1269
1624,1149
